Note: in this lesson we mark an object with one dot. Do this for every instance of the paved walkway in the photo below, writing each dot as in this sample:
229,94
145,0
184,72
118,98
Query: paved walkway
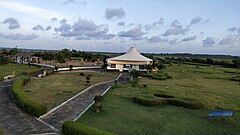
15,122
76,106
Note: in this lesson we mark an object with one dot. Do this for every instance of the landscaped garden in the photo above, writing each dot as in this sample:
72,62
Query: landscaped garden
57,88
179,104
20,69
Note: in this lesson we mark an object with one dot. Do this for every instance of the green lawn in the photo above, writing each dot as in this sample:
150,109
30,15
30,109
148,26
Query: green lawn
18,68
1,132
211,87
55,89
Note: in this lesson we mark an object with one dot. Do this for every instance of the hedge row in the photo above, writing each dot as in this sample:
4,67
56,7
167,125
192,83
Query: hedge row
33,71
24,101
75,128
168,101
164,76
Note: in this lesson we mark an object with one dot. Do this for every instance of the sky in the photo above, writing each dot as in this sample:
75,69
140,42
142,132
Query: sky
152,26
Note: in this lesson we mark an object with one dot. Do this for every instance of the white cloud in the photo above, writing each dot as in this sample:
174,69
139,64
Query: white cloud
208,42
48,28
190,38
18,36
196,20
154,24
114,13
156,39
12,22
30,10
134,33
230,39
84,30
75,2
38,27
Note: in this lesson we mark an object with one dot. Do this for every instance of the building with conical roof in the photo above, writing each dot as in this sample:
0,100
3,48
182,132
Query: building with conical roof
130,60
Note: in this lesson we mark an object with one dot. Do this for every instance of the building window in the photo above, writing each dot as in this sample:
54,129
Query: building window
113,65
141,66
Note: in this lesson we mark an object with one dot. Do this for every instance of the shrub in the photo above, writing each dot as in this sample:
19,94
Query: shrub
135,73
163,95
81,74
56,68
75,128
145,85
168,101
149,101
98,103
49,72
162,76
4,60
134,82
70,67
185,104
24,101
34,71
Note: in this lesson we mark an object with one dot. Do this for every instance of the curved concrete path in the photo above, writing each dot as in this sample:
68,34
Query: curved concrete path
74,107
15,122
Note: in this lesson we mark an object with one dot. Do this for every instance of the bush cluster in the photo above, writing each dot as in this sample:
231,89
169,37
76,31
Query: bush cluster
33,71
24,101
163,76
168,101
149,101
75,128
49,72
81,74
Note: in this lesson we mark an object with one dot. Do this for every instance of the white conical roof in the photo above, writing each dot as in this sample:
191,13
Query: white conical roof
131,55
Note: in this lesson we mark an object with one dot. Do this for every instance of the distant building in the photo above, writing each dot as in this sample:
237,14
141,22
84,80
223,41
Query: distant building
128,61
26,57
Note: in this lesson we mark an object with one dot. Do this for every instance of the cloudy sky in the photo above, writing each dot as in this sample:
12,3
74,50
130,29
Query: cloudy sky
158,26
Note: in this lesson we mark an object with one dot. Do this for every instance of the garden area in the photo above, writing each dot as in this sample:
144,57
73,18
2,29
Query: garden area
175,101
20,69
57,88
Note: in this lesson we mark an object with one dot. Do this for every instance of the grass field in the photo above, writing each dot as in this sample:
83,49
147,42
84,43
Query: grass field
18,68
54,89
1,132
211,87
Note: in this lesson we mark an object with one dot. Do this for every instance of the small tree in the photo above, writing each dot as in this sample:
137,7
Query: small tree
88,80
4,60
70,67
149,67
56,68
105,64
161,66
98,103
134,73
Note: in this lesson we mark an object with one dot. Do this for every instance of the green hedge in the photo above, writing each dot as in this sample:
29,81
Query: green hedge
162,76
150,101
33,71
75,128
168,101
24,101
